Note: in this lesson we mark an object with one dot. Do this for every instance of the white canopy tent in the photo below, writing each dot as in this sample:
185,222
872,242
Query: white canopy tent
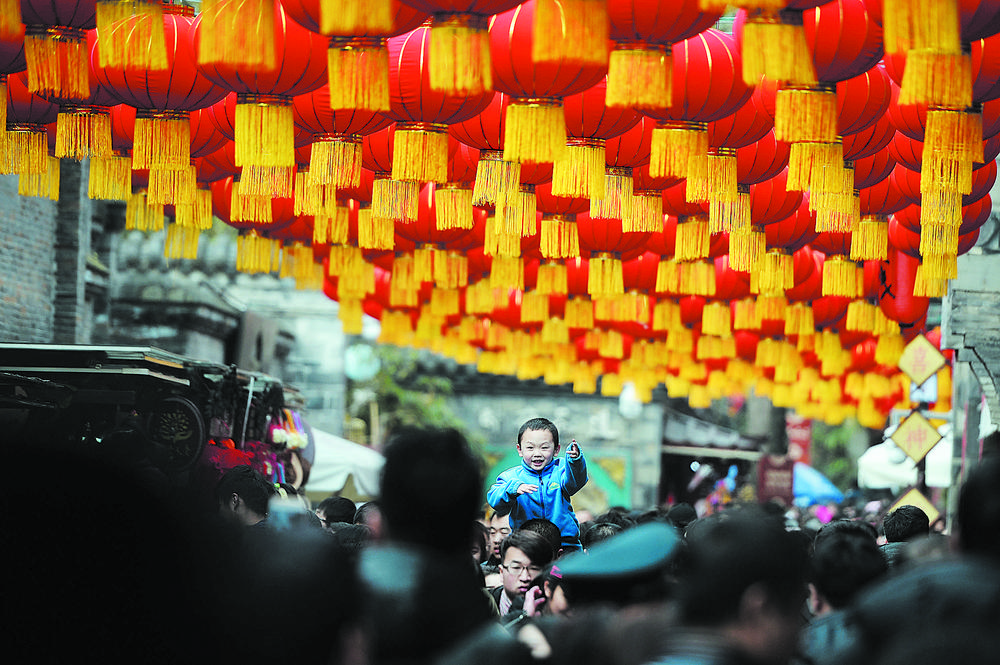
338,458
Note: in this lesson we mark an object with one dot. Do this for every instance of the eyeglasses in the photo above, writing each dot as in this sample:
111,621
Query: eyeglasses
516,569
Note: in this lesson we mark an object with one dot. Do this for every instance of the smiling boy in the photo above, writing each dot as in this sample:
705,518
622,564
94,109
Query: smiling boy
543,484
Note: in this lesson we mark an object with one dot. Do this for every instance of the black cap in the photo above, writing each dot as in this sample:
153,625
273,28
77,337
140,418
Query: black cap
633,552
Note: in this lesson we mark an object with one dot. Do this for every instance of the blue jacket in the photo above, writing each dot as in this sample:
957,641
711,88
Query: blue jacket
557,482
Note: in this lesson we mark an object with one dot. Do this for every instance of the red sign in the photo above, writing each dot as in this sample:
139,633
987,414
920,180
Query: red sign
774,479
799,431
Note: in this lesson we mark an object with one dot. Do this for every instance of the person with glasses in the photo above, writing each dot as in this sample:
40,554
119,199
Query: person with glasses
523,557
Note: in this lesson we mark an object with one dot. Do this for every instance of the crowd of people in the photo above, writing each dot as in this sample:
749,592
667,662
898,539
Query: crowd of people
110,566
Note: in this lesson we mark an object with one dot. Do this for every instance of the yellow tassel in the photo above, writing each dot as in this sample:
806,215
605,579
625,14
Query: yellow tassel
841,277
614,200
935,78
496,179
395,199
668,276
745,315
517,215
83,132
774,45
535,131
555,331
423,264
198,213
238,33
141,216
276,182
579,171
309,196
806,115
453,207
646,213
173,187
358,73
861,316
870,240
952,141
348,17
132,34
507,273
249,208
44,184
264,131
552,278
570,32
375,232
730,213
673,147
351,315
451,269
610,344
937,239
938,267
181,242
27,149
775,272
460,55
667,315
715,319
746,250
889,349
579,313
420,152
560,239
697,278
838,213
58,61
771,307
357,277
256,254
605,277
497,243
162,141
799,320
534,307
927,284
336,161
110,178
807,161
10,20
444,302
640,76
692,242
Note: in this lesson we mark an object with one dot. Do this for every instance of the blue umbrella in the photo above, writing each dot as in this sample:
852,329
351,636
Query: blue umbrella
811,485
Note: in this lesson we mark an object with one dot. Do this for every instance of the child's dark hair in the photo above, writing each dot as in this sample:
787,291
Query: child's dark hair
539,424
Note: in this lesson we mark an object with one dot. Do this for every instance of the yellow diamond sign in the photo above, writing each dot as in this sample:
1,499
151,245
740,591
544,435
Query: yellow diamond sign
915,498
920,360
916,436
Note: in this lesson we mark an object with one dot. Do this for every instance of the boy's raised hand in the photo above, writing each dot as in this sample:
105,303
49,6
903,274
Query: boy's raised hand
574,450
525,488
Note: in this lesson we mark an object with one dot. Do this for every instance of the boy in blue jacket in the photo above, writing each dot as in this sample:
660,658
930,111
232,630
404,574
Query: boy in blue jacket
542,485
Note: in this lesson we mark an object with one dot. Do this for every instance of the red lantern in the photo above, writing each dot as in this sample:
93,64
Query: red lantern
27,141
162,125
608,244
422,114
985,73
640,67
707,86
873,89
869,141
55,46
884,197
579,170
871,170
535,124
762,160
358,55
264,99
897,300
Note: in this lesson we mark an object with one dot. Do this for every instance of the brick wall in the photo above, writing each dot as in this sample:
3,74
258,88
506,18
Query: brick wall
27,265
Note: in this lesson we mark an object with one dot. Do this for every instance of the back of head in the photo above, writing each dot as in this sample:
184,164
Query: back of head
599,532
729,552
431,489
979,510
251,486
843,563
337,509
547,530
537,424
906,523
